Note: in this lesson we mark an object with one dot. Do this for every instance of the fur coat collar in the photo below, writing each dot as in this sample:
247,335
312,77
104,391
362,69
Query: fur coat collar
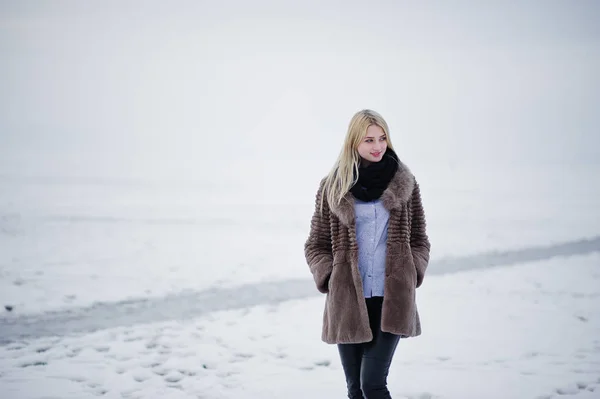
395,195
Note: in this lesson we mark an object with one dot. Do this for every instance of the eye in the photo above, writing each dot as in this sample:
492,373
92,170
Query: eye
368,140
383,138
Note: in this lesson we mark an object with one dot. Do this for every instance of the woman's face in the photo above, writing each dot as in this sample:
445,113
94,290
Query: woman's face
373,145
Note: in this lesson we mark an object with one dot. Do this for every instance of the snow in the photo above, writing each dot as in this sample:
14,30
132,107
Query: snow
77,242
526,331
157,178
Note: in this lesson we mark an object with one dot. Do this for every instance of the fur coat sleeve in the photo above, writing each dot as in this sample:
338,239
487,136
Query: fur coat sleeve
318,247
419,241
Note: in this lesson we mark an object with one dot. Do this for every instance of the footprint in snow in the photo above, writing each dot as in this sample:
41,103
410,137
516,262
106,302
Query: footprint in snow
97,389
33,364
187,373
93,385
133,339
150,364
141,376
323,363
173,377
42,350
244,355
160,371
571,389
164,351
102,349
151,345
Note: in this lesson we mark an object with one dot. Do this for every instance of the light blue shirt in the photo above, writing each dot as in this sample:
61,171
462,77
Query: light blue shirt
371,235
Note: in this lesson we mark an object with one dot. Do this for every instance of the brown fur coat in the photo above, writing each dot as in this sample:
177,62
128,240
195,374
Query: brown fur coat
332,254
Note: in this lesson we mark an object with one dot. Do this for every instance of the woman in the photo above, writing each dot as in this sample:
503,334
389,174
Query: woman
368,251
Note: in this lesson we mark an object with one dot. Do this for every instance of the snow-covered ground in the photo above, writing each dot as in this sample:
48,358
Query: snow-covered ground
71,241
527,331
158,166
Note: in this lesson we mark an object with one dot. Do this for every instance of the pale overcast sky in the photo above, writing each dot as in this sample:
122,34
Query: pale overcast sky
465,76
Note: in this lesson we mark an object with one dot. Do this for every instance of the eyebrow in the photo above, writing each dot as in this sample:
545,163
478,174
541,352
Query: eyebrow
372,137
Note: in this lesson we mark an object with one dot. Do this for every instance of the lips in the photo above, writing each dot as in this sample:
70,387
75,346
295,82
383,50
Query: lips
376,154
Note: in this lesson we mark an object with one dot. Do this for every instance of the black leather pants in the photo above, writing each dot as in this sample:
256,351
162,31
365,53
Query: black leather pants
366,365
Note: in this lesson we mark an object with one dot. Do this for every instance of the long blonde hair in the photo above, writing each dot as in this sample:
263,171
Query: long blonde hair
344,173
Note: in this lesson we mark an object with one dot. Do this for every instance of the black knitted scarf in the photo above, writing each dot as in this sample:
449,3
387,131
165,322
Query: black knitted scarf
374,178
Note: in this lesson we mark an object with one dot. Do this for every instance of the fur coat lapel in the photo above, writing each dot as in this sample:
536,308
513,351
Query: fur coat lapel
395,195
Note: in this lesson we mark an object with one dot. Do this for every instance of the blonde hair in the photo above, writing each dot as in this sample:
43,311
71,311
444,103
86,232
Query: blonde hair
344,173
